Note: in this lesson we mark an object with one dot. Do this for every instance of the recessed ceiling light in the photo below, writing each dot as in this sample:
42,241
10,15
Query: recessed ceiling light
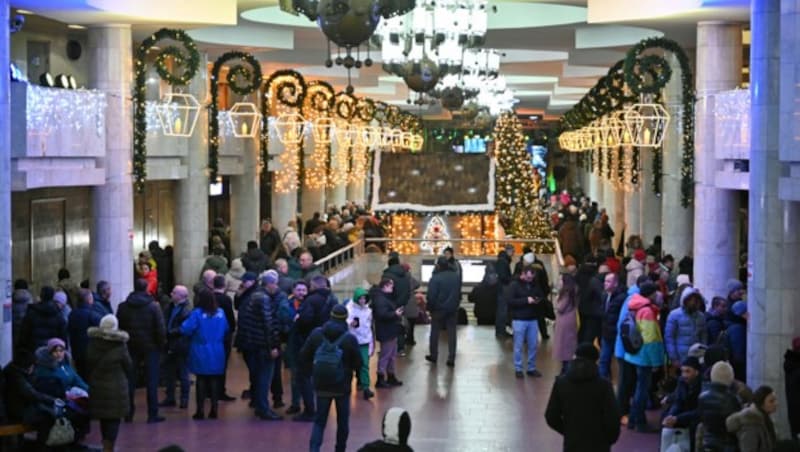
76,27
24,11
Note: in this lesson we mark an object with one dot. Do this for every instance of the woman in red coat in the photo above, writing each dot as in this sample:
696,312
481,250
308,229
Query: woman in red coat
151,276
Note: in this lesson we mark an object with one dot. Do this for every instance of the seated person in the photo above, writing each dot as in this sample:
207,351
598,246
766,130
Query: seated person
24,403
682,413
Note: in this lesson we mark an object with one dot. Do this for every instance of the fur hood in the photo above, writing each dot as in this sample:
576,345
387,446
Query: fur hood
45,359
750,416
107,334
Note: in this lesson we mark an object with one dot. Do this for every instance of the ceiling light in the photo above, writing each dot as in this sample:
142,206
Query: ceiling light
25,11
76,27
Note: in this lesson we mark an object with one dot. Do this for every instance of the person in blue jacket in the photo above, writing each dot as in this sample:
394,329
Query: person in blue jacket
737,339
206,327
627,372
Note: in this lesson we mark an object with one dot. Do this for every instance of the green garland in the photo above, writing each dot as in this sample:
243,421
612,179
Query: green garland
635,169
344,105
620,164
252,77
264,139
191,62
290,91
657,165
365,109
636,65
319,98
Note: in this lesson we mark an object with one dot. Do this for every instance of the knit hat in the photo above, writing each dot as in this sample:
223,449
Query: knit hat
109,322
339,312
733,284
722,373
647,288
360,292
60,297
270,277
683,279
529,258
698,351
587,351
739,308
249,276
693,362
396,426
639,255
55,342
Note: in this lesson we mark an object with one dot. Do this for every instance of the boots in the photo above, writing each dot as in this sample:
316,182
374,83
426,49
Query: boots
393,381
381,383
108,446
368,394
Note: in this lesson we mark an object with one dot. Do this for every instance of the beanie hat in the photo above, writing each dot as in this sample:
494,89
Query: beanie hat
249,276
693,362
722,373
683,279
587,351
60,297
396,426
270,277
339,312
109,322
55,342
529,258
647,288
733,284
739,308
639,255
698,351
360,292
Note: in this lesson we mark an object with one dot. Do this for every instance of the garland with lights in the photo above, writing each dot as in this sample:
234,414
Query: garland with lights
657,165
470,227
636,64
286,89
635,167
317,106
263,138
513,174
191,62
236,74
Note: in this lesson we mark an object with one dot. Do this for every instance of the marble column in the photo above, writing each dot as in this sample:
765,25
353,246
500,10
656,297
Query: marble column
191,203
716,236
5,188
336,195
111,70
773,240
356,190
597,192
312,199
676,220
245,199
650,207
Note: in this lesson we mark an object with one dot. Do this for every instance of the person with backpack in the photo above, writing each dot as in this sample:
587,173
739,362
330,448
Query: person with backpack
644,348
283,315
627,372
331,355
359,320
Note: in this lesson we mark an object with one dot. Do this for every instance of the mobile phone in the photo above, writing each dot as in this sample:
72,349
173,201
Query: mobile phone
357,321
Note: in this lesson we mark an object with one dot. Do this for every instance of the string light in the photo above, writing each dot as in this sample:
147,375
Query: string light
340,155
51,110
316,176
403,226
358,169
469,227
490,244
436,237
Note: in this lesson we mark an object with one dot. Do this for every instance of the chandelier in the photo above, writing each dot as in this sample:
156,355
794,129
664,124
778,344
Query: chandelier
348,24
429,43
480,66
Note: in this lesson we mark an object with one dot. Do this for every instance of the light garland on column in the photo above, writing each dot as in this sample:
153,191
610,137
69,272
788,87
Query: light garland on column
317,108
286,90
626,178
596,168
469,227
491,247
358,167
403,226
340,155
613,166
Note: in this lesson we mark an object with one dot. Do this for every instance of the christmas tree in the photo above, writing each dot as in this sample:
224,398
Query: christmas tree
436,236
533,224
514,186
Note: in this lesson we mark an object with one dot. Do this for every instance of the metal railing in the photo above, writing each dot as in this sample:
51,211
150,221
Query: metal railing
340,257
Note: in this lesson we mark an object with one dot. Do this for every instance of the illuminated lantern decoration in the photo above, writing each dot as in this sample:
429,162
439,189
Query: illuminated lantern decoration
244,119
178,113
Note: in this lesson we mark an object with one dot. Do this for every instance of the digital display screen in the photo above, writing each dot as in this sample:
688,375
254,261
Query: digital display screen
472,270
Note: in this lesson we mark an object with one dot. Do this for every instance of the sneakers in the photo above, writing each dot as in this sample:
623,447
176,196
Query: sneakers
227,398
534,373
368,394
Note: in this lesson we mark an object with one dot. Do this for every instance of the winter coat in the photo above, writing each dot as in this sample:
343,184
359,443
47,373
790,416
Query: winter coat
715,325
791,369
20,301
619,349
444,291
412,309
683,330
225,303
362,333
684,403
583,409
21,396
714,406
387,323
351,357
254,260
517,295
752,430
71,289
737,339
590,292
258,324
101,307
635,269
503,268
217,263
110,370
207,333
233,278
174,317
55,377
152,281
282,313
142,318
611,307
80,319
42,322
402,284
571,238
565,333
484,297
652,352
296,272
314,311
285,283
270,242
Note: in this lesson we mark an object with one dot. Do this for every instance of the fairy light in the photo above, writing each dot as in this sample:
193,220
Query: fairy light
289,127
358,170
436,237
469,227
316,172
51,110
403,226
340,155
490,245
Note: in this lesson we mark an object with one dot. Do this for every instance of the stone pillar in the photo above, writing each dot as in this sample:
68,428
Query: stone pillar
356,190
245,199
599,186
312,199
716,244
111,70
191,204
650,203
773,241
336,195
677,223
5,188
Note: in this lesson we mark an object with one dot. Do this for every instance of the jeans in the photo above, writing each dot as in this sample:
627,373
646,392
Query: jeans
109,429
175,366
363,372
305,390
150,359
387,356
606,354
525,331
276,387
261,367
501,316
342,421
625,386
641,396
440,320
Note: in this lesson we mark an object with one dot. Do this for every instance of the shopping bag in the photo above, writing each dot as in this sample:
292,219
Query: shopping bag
61,433
675,440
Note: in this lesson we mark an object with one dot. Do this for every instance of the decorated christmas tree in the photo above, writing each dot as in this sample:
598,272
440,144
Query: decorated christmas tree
532,224
436,238
515,192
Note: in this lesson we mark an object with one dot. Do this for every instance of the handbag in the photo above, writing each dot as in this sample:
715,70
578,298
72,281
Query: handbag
61,433
675,440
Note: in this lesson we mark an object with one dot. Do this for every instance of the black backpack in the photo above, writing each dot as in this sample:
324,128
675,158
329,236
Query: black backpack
632,340
328,365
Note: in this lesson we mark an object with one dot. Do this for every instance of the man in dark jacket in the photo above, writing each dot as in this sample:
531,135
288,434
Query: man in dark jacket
333,333
791,370
260,343
682,413
270,240
142,318
590,290
43,321
714,406
226,304
504,276
254,260
613,297
582,407
443,299
279,303
715,319
175,363
525,301
102,299
80,319
25,404
303,267
401,293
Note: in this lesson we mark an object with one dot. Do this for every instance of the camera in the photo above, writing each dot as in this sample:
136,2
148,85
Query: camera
15,23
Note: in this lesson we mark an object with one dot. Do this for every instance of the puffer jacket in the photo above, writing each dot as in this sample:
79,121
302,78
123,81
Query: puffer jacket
387,323
55,377
142,318
619,349
207,333
43,321
22,399
80,319
176,314
258,324
714,406
362,333
402,284
351,356
752,430
635,269
314,311
611,309
517,295
683,330
652,352
110,368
